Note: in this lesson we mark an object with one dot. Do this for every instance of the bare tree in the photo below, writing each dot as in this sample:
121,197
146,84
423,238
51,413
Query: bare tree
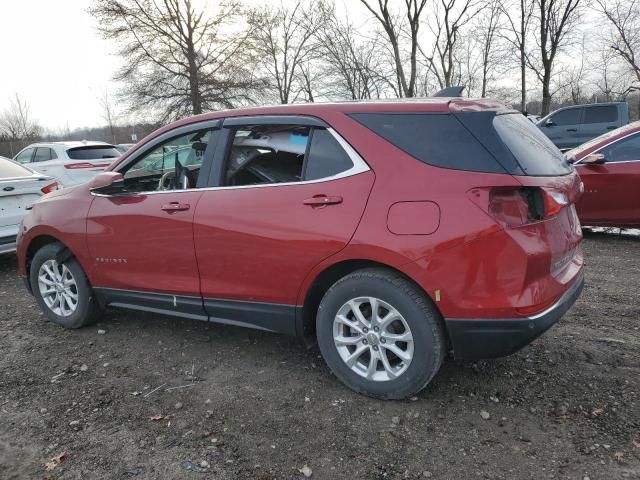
283,38
556,21
352,64
448,18
395,29
179,56
612,80
16,122
486,33
109,114
518,17
624,18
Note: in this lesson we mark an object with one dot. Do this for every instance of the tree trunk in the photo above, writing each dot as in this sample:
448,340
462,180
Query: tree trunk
523,80
546,94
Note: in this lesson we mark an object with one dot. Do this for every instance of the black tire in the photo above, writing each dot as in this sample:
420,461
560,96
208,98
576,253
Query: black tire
87,310
423,319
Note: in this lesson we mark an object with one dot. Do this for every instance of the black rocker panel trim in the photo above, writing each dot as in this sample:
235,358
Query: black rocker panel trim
180,306
270,317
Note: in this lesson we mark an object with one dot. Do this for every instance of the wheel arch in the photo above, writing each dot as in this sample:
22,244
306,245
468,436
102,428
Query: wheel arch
331,274
39,241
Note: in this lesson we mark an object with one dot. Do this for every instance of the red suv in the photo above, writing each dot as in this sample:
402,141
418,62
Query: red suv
394,232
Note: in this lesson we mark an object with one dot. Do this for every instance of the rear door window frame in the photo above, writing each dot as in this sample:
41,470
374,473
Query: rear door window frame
231,124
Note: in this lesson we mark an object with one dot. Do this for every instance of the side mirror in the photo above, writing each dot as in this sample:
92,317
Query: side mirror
549,123
594,159
106,181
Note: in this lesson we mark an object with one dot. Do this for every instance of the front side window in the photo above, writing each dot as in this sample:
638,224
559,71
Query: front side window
623,150
570,116
173,165
272,154
25,155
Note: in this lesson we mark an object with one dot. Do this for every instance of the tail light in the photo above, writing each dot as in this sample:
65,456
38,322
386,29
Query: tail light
514,206
51,187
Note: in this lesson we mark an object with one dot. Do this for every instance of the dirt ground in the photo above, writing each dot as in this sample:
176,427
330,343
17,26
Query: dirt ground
260,406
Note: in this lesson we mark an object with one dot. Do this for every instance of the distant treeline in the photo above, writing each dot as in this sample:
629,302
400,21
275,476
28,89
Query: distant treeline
115,135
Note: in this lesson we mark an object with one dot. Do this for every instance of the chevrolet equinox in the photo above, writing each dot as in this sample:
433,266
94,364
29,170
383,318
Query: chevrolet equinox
392,232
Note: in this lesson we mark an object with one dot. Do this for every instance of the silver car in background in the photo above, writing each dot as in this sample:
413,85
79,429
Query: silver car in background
19,188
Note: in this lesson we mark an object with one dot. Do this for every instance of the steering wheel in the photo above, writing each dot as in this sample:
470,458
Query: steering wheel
166,181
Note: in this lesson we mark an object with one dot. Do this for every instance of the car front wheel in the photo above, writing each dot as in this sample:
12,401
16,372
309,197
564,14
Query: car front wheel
380,334
61,288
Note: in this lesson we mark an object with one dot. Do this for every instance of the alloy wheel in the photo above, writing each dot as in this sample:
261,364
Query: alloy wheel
58,288
373,339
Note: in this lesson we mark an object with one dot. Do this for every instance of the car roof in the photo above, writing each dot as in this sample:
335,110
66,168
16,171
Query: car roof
70,144
321,109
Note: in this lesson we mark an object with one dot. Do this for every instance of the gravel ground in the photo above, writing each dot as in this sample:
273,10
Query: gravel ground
142,396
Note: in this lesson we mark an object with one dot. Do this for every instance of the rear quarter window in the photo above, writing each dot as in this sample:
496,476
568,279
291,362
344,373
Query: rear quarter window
433,138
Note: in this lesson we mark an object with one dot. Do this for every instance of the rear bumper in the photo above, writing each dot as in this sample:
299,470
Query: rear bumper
473,339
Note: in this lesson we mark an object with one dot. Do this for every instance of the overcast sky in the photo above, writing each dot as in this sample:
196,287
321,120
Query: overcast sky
53,57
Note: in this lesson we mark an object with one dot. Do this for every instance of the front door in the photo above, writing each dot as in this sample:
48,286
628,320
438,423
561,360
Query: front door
612,190
141,238
289,196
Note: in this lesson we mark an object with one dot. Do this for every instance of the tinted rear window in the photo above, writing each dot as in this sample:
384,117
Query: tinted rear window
91,152
570,116
437,139
533,151
11,170
601,114
326,156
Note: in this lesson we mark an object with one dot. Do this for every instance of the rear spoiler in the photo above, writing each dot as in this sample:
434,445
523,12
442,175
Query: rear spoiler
455,91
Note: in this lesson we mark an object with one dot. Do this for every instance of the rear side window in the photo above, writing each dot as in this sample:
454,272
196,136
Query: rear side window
326,156
436,139
93,152
533,151
11,170
570,116
601,114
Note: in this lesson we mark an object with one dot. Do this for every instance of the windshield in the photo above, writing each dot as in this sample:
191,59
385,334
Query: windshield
532,149
576,152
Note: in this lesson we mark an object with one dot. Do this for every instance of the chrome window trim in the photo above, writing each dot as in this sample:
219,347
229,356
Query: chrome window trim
579,162
359,166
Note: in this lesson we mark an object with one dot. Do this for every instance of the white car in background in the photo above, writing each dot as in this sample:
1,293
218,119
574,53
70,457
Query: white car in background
70,162
19,188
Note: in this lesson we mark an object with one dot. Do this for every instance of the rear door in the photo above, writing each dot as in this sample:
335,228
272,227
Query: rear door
612,190
289,192
596,120
45,160
562,127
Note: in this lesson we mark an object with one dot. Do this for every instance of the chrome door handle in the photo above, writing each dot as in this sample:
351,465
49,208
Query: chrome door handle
320,200
176,207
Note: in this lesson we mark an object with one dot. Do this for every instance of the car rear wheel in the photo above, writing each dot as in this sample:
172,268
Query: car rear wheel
380,334
61,288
